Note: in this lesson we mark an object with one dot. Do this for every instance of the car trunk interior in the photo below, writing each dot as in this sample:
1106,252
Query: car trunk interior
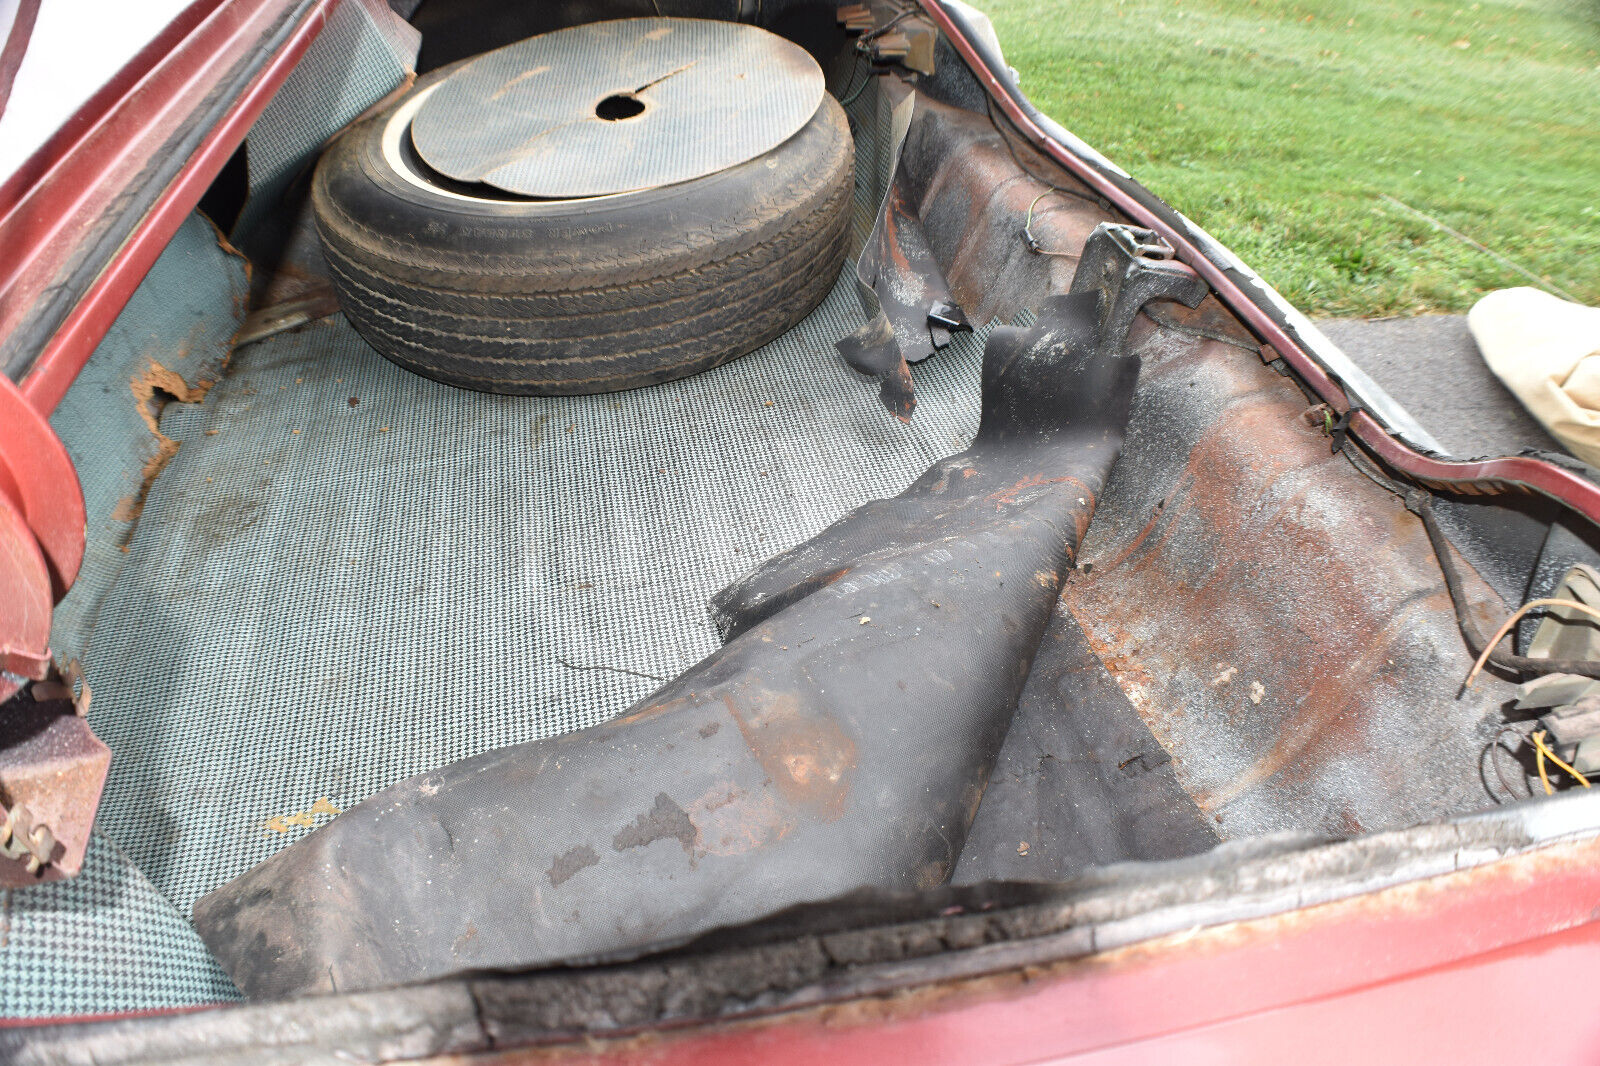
312,574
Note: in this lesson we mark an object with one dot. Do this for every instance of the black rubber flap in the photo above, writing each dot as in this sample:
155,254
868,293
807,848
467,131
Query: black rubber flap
616,106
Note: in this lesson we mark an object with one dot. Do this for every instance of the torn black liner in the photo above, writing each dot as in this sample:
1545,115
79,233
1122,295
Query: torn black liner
910,311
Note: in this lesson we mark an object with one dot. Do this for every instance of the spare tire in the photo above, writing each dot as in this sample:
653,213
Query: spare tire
480,289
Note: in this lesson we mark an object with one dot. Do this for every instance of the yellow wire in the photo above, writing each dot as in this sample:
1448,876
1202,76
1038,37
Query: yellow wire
1499,634
1538,758
1543,752
1027,227
1029,223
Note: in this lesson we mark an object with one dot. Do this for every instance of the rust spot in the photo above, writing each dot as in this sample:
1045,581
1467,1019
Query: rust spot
242,293
1010,494
654,709
731,821
709,730
1133,545
932,874
570,862
1123,662
306,819
898,207
151,391
1243,622
666,820
808,756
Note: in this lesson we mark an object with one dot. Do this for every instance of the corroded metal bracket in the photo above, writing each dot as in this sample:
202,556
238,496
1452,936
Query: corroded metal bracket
892,31
1129,266
52,771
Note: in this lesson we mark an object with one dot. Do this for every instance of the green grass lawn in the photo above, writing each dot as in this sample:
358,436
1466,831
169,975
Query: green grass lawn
1278,127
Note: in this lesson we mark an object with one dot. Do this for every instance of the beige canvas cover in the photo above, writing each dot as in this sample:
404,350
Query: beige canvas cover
1546,350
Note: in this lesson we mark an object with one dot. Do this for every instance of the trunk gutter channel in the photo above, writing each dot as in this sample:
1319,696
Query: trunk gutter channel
1372,417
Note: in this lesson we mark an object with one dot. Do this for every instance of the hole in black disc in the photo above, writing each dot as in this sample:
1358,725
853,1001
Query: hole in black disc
619,106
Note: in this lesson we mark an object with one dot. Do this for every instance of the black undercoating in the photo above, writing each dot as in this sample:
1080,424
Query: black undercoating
1500,536
1521,545
1080,781
841,738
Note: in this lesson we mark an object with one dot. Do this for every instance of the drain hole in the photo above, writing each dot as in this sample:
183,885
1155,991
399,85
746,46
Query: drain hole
619,106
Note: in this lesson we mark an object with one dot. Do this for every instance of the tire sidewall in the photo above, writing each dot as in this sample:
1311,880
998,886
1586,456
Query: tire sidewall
719,214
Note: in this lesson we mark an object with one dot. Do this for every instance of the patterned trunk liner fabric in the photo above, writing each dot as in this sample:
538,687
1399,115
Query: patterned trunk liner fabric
325,597
106,941
346,574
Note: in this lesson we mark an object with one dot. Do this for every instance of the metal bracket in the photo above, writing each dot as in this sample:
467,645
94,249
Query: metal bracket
1129,266
20,838
945,319
1339,432
949,317
892,32
52,772
28,665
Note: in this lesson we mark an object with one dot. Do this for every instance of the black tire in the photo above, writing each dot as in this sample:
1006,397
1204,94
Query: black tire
578,296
